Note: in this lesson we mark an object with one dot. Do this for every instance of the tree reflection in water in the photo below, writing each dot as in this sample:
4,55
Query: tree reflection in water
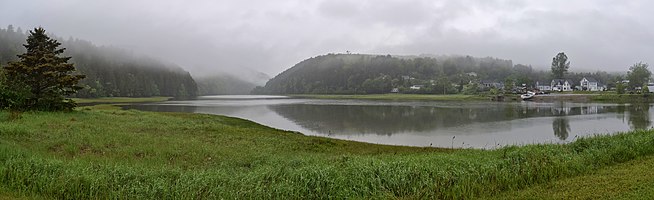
428,118
561,127
639,116
388,120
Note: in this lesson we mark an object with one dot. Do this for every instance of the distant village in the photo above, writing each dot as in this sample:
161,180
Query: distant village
543,86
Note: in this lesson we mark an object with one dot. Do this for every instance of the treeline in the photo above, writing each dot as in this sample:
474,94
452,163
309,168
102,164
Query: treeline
372,74
110,71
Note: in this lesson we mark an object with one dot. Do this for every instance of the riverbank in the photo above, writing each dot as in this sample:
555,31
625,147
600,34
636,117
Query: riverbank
584,97
599,97
110,100
400,97
624,98
104,152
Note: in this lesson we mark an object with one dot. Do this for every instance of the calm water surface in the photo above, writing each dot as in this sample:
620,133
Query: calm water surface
424,123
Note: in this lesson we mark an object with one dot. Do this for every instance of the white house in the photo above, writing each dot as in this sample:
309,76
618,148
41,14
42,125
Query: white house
590,84
561,85
416,87
543,86
474,74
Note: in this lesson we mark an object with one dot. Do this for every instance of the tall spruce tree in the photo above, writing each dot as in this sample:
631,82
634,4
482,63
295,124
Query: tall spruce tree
560,65
47,76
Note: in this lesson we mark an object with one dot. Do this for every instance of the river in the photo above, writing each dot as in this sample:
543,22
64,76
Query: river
485,125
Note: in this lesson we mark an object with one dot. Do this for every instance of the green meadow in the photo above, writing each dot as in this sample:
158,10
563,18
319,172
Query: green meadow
103,152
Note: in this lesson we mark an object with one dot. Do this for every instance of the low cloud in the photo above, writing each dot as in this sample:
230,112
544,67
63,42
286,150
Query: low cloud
207,36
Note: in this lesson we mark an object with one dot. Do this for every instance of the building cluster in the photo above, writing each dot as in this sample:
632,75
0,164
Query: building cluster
562,85
558,85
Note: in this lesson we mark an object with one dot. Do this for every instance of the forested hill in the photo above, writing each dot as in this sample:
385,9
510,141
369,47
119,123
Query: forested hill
110,71
366,74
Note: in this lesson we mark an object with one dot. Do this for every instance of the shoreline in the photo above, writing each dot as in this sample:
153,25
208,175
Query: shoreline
113,100
397,97
554,97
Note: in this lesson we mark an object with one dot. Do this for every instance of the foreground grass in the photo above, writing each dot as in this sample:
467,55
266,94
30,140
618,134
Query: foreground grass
400,97
105,153
120,100
630,180
9,195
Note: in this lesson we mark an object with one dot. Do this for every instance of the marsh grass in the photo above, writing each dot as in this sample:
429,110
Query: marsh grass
102,152
14,115
629,180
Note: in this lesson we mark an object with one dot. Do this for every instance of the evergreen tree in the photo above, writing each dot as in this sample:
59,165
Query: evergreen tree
48,76
560,65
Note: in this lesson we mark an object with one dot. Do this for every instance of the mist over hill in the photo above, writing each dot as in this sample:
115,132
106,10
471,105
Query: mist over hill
110,71
366,74
374,74
230,83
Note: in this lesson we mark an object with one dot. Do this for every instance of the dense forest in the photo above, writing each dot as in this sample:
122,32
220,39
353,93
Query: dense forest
110,71
372,74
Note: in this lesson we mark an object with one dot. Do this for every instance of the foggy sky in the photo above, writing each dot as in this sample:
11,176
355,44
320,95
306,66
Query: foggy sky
207,36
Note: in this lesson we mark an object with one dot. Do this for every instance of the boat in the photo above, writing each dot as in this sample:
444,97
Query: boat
528,96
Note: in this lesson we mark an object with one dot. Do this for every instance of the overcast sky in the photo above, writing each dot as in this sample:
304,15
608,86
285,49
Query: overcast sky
270,36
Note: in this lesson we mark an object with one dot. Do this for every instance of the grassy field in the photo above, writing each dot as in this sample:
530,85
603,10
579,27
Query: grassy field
102,152
401,97
631,180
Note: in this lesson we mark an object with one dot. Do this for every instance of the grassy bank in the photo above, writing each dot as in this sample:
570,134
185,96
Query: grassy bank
106,153
630,180
120,100
623,98
401,97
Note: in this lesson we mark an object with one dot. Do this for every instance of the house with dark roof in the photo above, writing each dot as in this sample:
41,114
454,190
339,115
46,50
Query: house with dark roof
543,86
561,85
491,84
590,84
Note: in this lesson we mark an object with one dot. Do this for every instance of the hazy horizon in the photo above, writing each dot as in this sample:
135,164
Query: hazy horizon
206,37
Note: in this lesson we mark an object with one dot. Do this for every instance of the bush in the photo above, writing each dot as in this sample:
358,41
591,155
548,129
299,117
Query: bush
11,97
619,88
471,88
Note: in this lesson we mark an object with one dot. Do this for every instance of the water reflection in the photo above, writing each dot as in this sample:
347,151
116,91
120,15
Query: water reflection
389,120
561,127
423,123
639,116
